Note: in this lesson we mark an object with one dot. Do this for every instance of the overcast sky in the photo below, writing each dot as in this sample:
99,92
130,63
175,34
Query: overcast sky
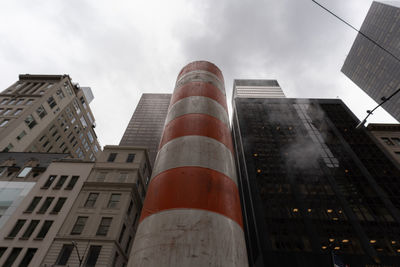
122,49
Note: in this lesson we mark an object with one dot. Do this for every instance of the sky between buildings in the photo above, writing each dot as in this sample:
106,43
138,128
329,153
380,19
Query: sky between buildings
124,48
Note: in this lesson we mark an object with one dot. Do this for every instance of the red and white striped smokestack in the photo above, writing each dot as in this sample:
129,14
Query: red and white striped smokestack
191,215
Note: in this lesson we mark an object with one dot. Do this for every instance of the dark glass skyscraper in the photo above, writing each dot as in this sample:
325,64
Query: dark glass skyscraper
370,67
311,183
147,123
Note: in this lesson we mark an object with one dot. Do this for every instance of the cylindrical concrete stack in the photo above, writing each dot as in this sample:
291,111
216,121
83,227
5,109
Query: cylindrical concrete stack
191,215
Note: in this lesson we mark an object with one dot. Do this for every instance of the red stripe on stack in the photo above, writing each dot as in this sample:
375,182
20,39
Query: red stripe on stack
199,89
193,188
202,65
197,124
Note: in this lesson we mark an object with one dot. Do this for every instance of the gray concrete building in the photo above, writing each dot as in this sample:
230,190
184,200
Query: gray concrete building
102,222
370,67
257,89
47,113
147,123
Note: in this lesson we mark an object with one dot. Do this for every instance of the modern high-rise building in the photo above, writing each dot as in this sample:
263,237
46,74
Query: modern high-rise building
48,113
310,183
191,215
257,89
371,68
147,123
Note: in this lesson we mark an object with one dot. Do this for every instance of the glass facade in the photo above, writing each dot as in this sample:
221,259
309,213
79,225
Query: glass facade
370,67
147,123
311,183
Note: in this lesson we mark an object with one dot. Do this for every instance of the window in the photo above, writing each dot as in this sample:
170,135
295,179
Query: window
11,258
115,260
95,148
92,256
83,121
49,181
129,208
114,200
104,226
29,102
64,254
33,204
25,171
4,123
122,177
2,250
30,253
8,111
60,93
22,134
31,227
8,148
20,102
46,204
12,101
91,200
18,225
60,182
121,235
396,140
18,111
79,225
101,176
4,101
83,101
41,111
76,106
30,121
52,103
130,158
387,141
59,205
90,136
112,157
45,228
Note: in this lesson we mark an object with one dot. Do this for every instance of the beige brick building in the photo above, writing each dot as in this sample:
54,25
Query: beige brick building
48,113
102,222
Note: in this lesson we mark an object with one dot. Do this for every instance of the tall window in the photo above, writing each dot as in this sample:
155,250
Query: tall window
52,103
121,235
46,204
64,254
19,102
72,182
91,200
31,227
114,200
25,171
17,227
30,253
130,158
41,111
60,182
112,157
60,93
45,228
18,111
104,226
79,225
8,111
59,205
92,256
22,134
33,204
30,121
4,123
49,181
11,258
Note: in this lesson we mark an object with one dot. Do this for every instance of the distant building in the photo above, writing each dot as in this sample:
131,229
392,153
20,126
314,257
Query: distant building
147,123
389,136
311,183
47,113
105,214
370,67
257,89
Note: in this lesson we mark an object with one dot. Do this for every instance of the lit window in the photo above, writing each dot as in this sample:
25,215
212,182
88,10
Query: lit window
41,111
24,172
